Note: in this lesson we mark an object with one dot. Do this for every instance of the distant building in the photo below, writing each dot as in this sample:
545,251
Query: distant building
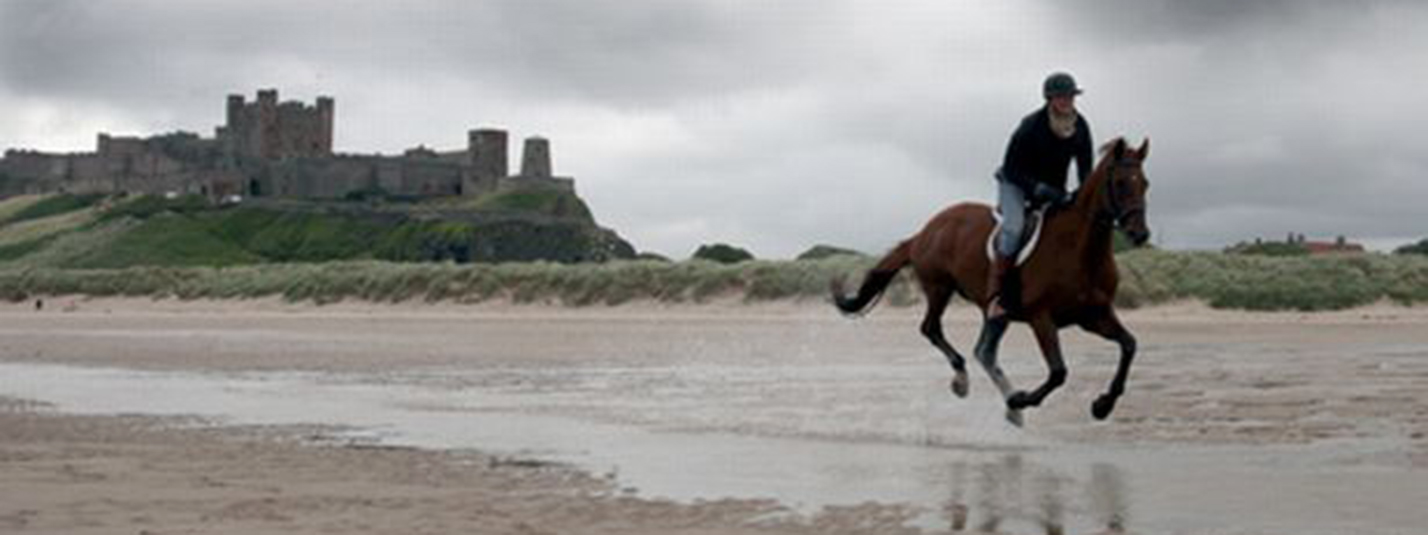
1339,245
1296,244
269,148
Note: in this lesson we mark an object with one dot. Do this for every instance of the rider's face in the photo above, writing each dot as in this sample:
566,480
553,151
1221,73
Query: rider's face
1063,104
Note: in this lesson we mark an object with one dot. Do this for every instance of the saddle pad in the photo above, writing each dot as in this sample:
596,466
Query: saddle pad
1034,218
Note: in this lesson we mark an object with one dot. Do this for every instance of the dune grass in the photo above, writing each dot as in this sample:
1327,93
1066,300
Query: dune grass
51,205
35,229
13,205
1254,282
1148,278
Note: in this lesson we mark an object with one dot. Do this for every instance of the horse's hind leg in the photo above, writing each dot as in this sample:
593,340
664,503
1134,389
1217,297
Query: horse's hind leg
1109,327
1050,343
938,296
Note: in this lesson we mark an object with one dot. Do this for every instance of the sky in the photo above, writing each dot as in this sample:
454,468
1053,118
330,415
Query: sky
775,126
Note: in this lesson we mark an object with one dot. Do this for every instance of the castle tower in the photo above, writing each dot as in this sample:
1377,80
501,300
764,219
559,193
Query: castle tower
326,113
268,142
486,149
535,159
235,110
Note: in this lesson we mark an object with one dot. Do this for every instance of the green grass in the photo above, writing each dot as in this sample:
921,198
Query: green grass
18,249
575,285
13,205
53,205
164,240
535,199
1255,282
291,236
1148,277
188,232
31,230
146,206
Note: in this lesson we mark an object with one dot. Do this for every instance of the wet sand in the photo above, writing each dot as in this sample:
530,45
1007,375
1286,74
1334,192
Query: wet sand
719,419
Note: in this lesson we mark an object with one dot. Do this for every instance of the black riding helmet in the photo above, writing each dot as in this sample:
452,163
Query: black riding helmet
1059,84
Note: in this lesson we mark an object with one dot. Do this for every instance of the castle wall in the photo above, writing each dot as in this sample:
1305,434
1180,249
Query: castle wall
325,178
519,182
92,173
474,185
427,177
270,148
31,165
111,147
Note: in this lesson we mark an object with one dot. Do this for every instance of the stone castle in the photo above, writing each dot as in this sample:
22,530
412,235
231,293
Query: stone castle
269,148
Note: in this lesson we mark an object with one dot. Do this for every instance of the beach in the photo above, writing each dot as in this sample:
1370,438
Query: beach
260,416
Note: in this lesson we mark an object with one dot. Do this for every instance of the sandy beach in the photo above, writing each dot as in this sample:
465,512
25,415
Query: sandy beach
573,412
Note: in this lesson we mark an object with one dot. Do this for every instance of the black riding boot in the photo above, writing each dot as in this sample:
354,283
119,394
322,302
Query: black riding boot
996,283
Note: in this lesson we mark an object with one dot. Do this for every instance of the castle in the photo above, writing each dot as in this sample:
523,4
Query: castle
269,148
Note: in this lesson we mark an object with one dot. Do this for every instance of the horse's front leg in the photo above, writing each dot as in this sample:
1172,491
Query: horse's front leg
1050,343
986,351
1108,326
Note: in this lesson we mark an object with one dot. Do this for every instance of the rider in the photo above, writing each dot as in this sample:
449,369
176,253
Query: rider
1034,170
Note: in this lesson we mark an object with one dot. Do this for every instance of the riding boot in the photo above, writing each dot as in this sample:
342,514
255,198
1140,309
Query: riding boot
996,281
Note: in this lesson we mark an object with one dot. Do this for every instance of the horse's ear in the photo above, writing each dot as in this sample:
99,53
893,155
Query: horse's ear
1119,150
1144,149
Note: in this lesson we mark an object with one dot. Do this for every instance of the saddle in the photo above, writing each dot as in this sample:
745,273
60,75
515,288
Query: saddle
1030,235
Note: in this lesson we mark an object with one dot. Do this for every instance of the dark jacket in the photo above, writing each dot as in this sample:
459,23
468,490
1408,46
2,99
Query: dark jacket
1036,154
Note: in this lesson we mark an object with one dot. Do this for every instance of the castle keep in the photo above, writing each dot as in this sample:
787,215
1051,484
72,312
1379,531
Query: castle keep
269,130
269,148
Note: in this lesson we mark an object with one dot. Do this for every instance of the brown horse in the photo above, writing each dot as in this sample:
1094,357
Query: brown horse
1070,279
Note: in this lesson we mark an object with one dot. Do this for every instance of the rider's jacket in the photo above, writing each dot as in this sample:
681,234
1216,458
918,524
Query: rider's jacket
1036,154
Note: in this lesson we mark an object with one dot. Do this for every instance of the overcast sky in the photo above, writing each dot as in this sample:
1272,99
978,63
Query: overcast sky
779,125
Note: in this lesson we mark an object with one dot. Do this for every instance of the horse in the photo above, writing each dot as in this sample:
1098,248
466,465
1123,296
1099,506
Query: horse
1069,280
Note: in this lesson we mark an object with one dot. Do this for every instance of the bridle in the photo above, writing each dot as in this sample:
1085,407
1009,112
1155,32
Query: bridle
1118,214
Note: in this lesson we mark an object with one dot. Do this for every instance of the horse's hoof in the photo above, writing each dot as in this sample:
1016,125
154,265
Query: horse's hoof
959,385
1014,417
1018,400
1103,406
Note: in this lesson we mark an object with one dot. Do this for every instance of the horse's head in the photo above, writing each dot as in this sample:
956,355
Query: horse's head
1126,186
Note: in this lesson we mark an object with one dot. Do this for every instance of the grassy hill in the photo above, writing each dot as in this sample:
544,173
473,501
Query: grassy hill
65,231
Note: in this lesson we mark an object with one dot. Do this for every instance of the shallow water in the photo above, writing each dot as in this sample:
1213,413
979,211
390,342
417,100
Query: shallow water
810,434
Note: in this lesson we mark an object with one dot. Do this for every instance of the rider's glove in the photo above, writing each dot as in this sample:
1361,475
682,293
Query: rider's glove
1046,193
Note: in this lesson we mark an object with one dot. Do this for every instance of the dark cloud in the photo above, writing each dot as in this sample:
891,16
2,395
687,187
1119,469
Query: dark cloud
781,124
1211,22
643,52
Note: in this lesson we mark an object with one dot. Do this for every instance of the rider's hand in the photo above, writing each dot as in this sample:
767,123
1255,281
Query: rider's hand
1045,193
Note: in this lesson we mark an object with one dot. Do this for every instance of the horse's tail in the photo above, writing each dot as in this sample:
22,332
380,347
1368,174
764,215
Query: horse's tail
876,281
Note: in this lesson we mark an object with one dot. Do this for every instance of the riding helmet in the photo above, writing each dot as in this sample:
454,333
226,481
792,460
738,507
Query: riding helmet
1059,83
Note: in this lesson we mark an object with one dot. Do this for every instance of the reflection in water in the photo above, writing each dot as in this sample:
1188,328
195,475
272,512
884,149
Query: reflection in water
1108,497
1009,490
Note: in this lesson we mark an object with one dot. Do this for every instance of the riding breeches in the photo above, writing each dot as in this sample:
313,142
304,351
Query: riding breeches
1011,202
